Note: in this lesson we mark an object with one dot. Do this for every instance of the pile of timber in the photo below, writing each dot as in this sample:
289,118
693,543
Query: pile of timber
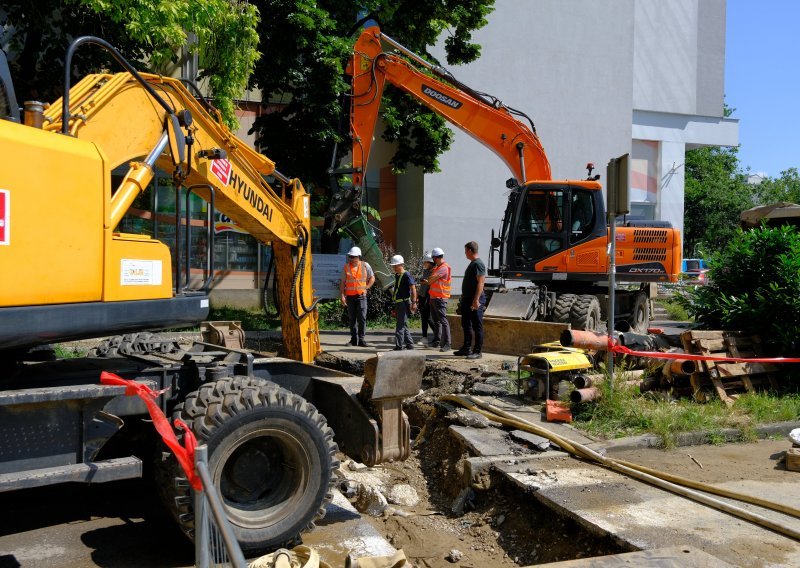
725,379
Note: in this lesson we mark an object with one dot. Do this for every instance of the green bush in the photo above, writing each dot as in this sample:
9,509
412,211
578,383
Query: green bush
754,288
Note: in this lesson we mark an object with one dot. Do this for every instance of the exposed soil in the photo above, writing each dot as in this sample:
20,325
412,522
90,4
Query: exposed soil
498,527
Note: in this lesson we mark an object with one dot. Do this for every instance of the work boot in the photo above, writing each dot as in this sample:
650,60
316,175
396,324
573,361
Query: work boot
461,352
397,349
476,355
434,343
445,347
363,343
410,347
352,343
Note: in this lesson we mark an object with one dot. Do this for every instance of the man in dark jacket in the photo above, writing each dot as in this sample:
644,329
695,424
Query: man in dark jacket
472,303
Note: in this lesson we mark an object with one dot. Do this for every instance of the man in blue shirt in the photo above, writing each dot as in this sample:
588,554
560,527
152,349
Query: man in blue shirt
404,296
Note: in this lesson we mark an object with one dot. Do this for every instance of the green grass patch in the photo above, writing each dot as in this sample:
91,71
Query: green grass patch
622,411
675,311
252,320
64,352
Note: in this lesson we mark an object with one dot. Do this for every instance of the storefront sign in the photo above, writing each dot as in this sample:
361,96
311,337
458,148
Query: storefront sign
224,224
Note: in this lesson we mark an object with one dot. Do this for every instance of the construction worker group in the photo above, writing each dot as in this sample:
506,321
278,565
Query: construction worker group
430,300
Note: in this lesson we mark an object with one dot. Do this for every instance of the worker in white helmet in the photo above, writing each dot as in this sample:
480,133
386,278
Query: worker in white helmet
439,293
357,278
404,300
423,298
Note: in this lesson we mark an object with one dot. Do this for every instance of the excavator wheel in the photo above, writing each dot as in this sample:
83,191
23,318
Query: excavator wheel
271,456
585,313
640,318
563,307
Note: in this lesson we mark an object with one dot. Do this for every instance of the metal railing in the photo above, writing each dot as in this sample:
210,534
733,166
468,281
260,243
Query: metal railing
214,541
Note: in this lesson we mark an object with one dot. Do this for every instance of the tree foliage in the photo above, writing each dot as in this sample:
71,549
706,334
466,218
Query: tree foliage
306,45
783,188
716,192
149,32
754,287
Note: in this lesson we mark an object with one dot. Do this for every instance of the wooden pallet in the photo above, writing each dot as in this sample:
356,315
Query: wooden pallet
727,379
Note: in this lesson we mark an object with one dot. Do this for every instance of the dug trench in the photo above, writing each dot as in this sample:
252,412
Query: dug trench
454,522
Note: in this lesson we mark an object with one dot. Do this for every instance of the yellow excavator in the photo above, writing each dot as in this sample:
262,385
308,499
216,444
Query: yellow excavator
273,426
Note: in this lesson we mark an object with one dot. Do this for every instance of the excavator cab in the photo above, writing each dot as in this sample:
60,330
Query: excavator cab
545,219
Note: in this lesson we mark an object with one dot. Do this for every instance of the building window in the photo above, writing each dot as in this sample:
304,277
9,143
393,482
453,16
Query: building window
644,179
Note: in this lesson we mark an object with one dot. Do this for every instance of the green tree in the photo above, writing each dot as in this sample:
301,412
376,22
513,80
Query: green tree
784,188
150,33
754,287
306,45
716,192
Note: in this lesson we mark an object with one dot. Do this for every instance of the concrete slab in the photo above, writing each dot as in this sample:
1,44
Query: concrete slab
645,517
509,336
672,557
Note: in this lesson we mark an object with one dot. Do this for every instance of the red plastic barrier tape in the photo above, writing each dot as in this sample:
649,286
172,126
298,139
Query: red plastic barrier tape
621,349
184,454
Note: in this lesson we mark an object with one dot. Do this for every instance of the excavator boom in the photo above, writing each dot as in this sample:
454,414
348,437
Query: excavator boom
145,121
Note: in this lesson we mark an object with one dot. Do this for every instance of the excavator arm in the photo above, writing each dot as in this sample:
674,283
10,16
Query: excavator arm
483,117
148,120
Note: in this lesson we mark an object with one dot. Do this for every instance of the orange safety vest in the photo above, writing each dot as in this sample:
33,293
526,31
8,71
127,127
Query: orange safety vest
355,279
441,287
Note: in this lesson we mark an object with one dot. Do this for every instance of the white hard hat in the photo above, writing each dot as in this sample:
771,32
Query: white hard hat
355,251
437,252
397,259
427,258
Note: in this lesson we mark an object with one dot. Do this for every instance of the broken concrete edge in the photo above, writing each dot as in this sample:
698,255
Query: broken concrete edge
696,438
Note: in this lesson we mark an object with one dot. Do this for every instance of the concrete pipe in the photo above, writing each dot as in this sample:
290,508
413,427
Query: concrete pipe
584,395
585,339
585,381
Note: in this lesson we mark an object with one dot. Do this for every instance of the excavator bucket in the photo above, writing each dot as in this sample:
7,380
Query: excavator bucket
388,379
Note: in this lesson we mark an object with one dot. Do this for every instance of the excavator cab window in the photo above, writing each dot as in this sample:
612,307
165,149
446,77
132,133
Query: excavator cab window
539,225
582,217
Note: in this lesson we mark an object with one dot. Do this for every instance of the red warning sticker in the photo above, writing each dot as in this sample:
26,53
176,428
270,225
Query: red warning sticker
222,169
5,217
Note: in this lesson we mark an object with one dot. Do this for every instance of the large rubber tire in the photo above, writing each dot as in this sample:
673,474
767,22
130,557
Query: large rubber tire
271,456
640,317
563,307
585,313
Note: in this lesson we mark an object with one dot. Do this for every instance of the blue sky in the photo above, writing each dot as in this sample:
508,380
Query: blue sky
762,82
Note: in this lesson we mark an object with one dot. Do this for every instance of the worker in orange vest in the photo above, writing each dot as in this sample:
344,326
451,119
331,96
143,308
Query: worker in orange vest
357,278
438,294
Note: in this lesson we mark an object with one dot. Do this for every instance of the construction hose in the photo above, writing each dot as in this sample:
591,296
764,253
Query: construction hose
658,479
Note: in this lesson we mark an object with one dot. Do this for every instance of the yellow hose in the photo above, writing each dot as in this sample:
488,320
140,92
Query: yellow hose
663,480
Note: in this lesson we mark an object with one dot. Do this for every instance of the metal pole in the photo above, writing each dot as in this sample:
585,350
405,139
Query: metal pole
200,516
612,260
215,503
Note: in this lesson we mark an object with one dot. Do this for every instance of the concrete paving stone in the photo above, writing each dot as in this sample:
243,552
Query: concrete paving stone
645,517
487,441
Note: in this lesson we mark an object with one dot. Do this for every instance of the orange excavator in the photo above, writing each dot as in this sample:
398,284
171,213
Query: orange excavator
554,232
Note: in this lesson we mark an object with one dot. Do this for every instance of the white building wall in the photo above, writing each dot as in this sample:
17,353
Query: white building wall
568,65
594,75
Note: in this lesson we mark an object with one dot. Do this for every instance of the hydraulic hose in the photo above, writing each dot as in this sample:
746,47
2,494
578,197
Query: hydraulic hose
659,479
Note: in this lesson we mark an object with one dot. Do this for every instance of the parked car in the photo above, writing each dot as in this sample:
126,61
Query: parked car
694,272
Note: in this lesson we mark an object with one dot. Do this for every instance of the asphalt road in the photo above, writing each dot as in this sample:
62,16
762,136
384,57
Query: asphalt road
117,524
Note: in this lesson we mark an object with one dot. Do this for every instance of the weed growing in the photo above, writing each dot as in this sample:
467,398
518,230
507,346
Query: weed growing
623,411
